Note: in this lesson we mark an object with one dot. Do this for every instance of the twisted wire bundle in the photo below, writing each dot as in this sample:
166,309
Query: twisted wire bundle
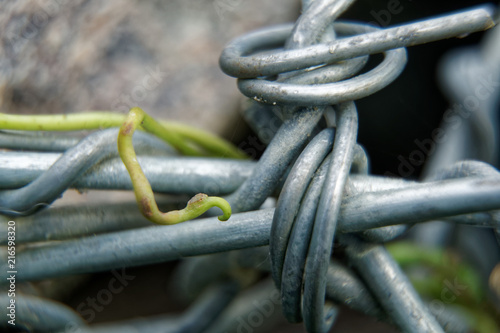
327,193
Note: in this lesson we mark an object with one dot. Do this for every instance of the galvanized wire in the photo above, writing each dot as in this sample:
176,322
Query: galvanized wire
75,221
285,147
69,222
344,285
50,185
371,210
37,141
468,77
321,176
39,314
167,174
382,273
197,318
235,64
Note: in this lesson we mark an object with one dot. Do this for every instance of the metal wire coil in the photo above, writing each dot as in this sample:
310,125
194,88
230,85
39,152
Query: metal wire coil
321,175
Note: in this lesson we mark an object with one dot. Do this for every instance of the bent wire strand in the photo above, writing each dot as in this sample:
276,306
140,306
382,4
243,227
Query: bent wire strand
50,185
292,281
283,149
291,196
365,211
468,76
329,93
472,72
275,158
344,286
169,174
385,277
234,63
38,141
279,88
315,312
33,313
39,314
69,222
196,318
303,29
297,247
132,247
113,251
259,186
405,307
381,203
308,29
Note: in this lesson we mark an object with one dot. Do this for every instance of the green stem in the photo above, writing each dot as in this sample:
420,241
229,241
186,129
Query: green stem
155,128
177,135
199,204
208,141
61,122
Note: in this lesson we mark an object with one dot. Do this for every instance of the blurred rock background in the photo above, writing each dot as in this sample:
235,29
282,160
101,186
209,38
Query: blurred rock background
60,56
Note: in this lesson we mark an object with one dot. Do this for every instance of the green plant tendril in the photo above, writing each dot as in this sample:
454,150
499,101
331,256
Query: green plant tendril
199,204
211,143
186,139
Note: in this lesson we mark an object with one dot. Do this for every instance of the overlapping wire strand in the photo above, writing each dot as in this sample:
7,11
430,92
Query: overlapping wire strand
321,175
